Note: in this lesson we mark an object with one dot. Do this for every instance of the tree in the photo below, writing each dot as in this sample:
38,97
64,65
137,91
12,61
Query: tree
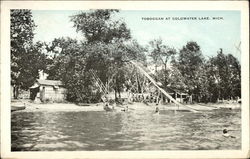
33,61
234,76
107,45
21,36
68,64
97,25
176,80
190,63
110,61
131,50
160,55
63,51
225,70
105,53
213,79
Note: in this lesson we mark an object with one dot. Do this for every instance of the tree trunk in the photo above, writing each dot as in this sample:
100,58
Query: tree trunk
15,92
156,79
165,77
119,93
115,95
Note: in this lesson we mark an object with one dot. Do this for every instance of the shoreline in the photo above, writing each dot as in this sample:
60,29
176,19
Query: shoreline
56,107
35,107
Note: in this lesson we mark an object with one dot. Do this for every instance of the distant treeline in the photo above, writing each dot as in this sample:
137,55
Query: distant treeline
107,47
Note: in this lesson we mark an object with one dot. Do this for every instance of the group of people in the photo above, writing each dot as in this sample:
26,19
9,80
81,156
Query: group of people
107,107
151,98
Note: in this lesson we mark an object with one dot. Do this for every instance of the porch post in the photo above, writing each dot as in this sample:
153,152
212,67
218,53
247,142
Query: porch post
181,98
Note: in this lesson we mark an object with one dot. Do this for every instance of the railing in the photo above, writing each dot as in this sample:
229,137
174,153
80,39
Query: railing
156,85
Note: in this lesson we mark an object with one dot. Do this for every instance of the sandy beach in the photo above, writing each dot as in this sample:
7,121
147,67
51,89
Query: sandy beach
33,106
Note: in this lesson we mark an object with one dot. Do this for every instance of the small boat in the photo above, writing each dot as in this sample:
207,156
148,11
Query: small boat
83,104
17,107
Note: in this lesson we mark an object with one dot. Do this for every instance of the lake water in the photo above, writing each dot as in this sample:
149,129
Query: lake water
133,130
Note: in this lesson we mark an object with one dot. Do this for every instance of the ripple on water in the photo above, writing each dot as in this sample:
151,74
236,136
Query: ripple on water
138,130
76,143
50,146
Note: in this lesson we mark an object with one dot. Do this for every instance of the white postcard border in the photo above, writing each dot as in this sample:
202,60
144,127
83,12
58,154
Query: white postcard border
124,5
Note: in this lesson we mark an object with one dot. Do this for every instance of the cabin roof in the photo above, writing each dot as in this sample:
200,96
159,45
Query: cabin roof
49,82
175,90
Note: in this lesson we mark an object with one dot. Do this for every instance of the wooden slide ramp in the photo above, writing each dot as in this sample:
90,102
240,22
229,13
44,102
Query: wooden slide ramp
162,90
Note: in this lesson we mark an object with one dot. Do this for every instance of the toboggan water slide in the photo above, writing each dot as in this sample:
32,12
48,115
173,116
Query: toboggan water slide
191,108
159,88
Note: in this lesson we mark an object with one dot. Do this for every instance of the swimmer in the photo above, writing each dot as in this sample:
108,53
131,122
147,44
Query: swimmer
125,109
157,111
106,107
226,134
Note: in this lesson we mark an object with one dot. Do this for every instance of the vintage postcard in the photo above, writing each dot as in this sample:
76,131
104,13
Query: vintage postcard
125,79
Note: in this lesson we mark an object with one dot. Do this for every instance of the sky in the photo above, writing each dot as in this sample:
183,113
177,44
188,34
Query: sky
210,34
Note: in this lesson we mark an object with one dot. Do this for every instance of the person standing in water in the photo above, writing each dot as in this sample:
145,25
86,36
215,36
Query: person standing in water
157,110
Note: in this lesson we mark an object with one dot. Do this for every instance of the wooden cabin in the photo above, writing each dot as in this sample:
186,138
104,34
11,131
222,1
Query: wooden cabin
178,95
48,91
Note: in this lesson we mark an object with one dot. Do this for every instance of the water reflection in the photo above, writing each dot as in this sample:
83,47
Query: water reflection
134,130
